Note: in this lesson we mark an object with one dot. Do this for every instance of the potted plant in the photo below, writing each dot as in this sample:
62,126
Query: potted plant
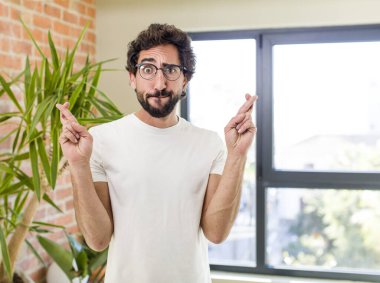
33,138
79,263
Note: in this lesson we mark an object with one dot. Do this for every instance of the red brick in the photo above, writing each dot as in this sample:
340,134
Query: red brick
5,44
85,20
33,5
12,29
64,219
15,14
63,193
90,11
69,205
81,8
22,47
42,21
13,62
90,36
70,17
61,28
52,11
3,10
63,3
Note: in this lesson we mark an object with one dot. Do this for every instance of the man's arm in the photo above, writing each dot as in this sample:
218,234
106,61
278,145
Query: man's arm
92,206
222,200
91,200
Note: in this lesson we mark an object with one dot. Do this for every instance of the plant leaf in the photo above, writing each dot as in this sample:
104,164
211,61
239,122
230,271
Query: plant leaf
34,251
50,201
8,90
35,171
44,159
53,52
5,254
62,257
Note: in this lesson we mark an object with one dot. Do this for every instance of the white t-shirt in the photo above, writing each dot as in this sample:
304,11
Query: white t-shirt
157,180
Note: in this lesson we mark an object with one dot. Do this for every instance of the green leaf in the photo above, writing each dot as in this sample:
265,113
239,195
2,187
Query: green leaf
35,171
82,263
8,90
44,159
95,82
99,260
75,94
5,254
39,112
50,201
62,257
35,252
48,224
32,38
53,52
55,157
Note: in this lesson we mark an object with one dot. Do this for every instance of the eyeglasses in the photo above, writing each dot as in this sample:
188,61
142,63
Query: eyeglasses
171,72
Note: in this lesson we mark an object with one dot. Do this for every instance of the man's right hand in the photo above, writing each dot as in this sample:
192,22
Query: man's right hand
76,141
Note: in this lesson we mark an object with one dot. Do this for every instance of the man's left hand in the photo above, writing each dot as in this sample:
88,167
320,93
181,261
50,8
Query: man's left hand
240,131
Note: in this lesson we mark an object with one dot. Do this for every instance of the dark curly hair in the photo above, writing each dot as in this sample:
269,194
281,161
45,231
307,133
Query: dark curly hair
159,34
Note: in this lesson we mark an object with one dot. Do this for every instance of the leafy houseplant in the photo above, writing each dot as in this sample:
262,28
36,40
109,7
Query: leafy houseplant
79,262
33,138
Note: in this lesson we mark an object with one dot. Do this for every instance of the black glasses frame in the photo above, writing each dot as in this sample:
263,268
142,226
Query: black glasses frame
181,68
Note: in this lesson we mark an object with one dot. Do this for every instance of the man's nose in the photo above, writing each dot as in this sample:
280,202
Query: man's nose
160,80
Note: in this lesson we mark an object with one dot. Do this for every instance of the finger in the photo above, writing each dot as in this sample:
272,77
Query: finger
81,130
66,115
69,136
247,117
248,126
234,122
69,127
248,104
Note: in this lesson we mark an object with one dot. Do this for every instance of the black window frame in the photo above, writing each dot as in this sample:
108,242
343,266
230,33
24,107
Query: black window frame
267,176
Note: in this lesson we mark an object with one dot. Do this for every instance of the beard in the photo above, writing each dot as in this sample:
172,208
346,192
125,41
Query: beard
164,109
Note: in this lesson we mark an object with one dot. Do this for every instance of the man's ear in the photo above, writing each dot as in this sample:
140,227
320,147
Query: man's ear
184,85
132,80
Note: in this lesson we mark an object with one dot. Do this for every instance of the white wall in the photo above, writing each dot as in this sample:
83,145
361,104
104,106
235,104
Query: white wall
118,22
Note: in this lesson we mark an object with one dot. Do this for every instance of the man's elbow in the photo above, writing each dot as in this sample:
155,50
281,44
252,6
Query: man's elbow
216,237
98,245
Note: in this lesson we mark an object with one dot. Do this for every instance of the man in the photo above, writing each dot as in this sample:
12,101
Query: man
151,185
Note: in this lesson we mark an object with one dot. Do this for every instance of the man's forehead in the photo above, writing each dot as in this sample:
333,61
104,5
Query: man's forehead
167,53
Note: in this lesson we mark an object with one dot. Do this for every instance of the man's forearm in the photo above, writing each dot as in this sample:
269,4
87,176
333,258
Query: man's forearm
92,218
221,212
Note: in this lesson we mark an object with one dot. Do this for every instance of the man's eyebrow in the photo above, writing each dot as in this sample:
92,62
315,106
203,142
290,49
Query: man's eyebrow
148,60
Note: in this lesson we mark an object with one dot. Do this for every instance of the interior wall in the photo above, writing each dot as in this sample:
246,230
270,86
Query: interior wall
119,21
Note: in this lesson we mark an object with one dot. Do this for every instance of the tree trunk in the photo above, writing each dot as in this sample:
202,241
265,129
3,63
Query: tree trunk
19,235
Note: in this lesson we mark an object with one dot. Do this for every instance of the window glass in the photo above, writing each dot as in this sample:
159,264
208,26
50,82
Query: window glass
225,71
326,100
328,229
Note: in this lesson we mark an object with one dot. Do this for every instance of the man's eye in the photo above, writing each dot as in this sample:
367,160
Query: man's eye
148,70
171,70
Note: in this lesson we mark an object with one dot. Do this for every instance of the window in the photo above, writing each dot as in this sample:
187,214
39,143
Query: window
311,192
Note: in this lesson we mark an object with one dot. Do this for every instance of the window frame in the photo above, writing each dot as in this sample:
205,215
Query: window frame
266,175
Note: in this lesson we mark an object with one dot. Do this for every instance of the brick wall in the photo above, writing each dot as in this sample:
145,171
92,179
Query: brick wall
65,19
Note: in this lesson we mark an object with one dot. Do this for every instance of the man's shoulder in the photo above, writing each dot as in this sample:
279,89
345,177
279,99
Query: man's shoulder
110,126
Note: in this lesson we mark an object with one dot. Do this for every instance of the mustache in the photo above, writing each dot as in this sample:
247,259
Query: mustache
162,93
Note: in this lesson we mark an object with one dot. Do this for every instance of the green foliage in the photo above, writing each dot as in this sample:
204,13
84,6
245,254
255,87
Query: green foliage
78,262
35,127
337,228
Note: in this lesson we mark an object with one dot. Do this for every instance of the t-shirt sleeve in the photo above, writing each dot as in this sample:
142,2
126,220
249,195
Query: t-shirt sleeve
96,164
220,159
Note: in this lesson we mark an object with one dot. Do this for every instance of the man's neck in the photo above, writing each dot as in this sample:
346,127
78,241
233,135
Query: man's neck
164,122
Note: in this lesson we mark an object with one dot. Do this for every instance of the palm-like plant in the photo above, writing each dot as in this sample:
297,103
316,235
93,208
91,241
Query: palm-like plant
33,138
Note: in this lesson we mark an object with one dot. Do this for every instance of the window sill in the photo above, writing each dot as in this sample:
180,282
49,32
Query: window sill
229,277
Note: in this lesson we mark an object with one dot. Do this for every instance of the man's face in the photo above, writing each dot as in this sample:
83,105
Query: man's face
158,95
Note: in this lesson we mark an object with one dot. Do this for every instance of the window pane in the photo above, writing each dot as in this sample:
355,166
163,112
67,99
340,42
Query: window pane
326,106
226,70
328,229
